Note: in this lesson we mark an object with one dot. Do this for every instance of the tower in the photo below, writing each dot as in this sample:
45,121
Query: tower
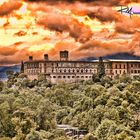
46,57
64,55
30,58
22,67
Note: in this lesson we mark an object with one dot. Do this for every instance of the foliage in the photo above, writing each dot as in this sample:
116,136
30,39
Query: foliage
109,109
101,68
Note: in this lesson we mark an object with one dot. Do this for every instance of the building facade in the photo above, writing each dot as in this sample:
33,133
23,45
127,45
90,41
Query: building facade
65,70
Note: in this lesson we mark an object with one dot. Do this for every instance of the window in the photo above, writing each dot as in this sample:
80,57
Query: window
64,76
120,71
77,77
120,66
77,70
59,76
64,70
68,76
86,76
73,70
81,71
54,76
73,76
135,71
82,76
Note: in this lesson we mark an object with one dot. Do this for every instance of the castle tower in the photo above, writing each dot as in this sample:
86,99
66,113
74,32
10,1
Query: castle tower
30,58
64,55
46,57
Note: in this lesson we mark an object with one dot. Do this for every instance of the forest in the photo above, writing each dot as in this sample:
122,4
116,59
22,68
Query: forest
109,109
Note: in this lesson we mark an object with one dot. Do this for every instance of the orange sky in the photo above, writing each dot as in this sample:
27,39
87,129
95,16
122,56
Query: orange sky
93,28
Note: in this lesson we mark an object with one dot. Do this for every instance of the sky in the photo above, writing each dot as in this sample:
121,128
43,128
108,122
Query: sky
86,28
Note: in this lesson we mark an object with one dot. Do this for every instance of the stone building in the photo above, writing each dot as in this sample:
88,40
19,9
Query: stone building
65,70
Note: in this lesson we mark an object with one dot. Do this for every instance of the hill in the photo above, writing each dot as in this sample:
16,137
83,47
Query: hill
120,56
3,69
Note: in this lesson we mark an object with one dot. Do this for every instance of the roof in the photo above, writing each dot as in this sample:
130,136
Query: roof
89,61
117,60
70,61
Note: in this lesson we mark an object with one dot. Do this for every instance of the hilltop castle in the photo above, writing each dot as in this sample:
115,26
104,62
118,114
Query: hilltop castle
65,70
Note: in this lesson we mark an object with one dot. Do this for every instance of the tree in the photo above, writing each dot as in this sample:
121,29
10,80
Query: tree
1,85
106,129
90,137
101,68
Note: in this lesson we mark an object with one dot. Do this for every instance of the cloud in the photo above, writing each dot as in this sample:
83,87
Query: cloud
7,51
95,2
135,44
101,48
104,14
68,25
59,46
19,55
128,25
8,7
65,23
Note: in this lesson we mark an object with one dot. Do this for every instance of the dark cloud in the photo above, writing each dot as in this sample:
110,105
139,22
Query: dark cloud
8,7
62,22
93,2
100,48
104,14
19,55
128,25
7,51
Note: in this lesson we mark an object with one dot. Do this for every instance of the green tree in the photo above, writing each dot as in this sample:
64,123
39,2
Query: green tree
101,68
106,129
1,85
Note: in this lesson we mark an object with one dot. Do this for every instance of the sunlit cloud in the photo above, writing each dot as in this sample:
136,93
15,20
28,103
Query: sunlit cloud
84,28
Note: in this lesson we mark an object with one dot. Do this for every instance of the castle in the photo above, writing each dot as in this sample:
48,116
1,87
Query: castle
65,70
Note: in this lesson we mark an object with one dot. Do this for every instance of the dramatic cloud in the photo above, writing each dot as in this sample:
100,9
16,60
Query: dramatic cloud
128,25
7,51
83,27
95,2
101,48
8,7
62,23
105,14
